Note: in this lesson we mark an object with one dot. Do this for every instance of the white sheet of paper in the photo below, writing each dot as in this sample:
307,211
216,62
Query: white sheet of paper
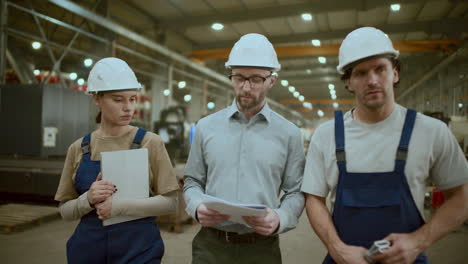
128,170
235,210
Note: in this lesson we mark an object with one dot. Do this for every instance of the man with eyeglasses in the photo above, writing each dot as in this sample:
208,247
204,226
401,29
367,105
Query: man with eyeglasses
245,153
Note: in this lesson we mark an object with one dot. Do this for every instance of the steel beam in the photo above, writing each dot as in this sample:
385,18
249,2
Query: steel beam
442,65
112,26
444,45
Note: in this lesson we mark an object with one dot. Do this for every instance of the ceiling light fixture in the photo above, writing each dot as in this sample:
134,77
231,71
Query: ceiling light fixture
88,62
395,7
217,26
37,72
36,45
316,42
306,17
182,84
187,98
81,81
322,59
284,83
211,105
73,76
166,92
292,89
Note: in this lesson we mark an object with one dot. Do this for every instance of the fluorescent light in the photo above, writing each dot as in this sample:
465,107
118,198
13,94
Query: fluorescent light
332,92
301,98
333,96
187,98
81,81
284,83
307,105
211,105
36,45
395,7
336,105
331,86
316,42
308,71
296,94
322,59
292,89
217,26
166,92
460,105
182,84
306,17
320,113
37,72
88,62
73,76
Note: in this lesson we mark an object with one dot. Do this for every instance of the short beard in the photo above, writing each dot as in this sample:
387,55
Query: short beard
252,104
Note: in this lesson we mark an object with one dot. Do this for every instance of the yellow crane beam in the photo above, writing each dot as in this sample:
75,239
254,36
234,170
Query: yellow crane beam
444,45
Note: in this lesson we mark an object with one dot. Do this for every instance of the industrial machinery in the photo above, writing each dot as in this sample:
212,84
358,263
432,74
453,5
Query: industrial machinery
172,129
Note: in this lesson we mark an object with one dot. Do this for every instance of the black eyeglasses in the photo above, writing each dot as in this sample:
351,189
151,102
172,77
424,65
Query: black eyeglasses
255,81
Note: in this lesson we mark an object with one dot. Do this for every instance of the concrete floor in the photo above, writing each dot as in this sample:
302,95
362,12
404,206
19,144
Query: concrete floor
46,244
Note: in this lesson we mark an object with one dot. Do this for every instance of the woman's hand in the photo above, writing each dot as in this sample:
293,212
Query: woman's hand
100,190
104,209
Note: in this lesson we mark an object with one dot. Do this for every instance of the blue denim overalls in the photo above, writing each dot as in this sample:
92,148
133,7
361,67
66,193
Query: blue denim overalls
370,206
137,241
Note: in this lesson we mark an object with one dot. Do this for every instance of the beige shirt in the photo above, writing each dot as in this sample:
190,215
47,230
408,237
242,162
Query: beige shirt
162,178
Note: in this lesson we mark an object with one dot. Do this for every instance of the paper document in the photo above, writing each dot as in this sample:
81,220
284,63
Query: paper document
235,210
128,170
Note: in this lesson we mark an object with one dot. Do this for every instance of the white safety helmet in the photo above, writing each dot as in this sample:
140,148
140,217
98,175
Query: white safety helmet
111,74
362,43
253,50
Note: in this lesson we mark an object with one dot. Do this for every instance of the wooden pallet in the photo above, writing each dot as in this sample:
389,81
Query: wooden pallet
18,217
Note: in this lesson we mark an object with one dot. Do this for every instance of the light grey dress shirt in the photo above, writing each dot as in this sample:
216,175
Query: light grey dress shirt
247,162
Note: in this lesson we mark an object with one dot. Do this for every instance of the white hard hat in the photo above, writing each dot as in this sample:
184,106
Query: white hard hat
253,50
362,43
111,74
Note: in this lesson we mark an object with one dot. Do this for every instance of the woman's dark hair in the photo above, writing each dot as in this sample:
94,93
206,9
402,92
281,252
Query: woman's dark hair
99,115
98,118
396,64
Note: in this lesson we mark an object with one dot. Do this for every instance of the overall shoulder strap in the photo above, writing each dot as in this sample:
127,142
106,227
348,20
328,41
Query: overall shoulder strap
138,138
340,140
402,151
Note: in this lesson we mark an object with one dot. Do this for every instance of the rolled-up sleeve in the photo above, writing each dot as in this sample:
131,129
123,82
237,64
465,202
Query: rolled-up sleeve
292,202
195,174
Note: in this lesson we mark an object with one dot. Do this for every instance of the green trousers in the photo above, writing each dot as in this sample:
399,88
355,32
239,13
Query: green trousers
208,248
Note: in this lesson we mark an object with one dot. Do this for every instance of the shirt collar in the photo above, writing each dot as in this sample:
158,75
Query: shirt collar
265,113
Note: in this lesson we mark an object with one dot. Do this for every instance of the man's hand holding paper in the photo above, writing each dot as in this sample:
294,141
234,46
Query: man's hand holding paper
208,217
264,225
214,211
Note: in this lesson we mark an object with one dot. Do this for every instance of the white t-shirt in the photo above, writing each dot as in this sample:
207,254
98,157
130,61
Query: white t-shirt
433,152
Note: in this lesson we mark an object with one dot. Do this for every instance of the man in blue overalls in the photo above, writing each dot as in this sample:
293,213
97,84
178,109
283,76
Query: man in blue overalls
374,161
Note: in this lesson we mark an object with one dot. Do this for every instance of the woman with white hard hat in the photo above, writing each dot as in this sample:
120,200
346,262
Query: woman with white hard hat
84,195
